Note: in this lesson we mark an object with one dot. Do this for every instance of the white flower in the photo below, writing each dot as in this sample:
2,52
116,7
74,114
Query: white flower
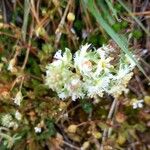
122,73
37,129
13,124
18,115
57,63
62,95
102,53
130,61
86,66
138,104
58,55
75,82
118,85
94,90
103,64
81,62
105,50
100,86
18,99
75,89
62,59
11,65
84,34
84,48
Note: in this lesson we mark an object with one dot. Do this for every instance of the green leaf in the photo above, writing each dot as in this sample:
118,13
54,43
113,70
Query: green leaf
87,106
47,48
140,127
50,131
3,147
34,66
137,34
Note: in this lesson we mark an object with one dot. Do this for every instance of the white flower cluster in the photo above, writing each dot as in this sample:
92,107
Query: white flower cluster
88,73
18,98
137,103
37,129
7,121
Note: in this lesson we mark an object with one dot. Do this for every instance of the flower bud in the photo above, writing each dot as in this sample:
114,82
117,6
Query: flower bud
120,117
147,100
72,128
71,17
121,140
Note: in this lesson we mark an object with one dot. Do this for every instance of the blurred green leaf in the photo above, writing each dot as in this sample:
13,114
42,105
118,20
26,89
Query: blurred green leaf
137,34
33,66
47,48
51,131
87,106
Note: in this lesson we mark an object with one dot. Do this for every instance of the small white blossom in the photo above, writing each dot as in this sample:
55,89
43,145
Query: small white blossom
18,115
131,62
18,99
137,104
86,66
84,34
57,63
103,65
81,61
84,48
13,124
100,86
121,73
37,129
119,84
74,88
105,50
102,53
11,65
58,55
62,95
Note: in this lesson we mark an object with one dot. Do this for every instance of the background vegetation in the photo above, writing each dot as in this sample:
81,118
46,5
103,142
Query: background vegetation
30,34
